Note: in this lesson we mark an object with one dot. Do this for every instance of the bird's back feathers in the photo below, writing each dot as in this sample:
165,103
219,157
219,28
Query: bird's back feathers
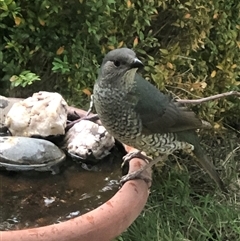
160,113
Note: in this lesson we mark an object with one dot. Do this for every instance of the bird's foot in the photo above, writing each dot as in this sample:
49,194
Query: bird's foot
139,173
188,148
135,154
135,175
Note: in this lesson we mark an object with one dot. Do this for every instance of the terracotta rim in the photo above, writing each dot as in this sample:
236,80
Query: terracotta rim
101,224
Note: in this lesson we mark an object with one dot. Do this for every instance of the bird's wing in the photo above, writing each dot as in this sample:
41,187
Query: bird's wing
160,113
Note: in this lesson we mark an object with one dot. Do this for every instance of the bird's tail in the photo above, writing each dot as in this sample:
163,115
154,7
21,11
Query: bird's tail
202,159
207,165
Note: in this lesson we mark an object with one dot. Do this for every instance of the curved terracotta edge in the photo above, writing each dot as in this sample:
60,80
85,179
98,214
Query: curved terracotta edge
101,224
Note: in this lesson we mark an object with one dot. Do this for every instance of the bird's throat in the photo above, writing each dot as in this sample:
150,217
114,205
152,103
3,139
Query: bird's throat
128,79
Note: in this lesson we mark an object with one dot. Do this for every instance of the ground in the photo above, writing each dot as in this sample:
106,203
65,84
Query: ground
185,205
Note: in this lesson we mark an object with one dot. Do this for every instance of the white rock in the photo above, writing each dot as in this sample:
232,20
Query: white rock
3,102
42,114
5,105
86,138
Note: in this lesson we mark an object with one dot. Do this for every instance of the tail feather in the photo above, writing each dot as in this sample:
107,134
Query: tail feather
203,161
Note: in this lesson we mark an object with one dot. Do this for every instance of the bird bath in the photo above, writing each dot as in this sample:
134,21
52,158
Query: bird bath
33,199
100,213
103,223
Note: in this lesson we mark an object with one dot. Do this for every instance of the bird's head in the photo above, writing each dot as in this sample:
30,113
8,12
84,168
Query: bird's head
119,64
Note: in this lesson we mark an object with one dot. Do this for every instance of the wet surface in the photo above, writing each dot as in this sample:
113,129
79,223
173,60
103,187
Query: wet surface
34,199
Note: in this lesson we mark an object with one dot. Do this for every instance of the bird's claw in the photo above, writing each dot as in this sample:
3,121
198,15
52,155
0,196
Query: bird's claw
135,154
135,175
189,148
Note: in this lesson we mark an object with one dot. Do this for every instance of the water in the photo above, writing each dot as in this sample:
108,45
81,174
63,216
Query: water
34,199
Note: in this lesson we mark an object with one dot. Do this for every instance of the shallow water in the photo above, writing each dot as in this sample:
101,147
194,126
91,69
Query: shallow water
34,199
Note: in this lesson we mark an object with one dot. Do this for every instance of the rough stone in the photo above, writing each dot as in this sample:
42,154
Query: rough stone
43,114
86,139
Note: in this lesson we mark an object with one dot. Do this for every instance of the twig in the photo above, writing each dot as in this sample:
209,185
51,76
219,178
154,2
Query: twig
182,89
232,128
230,155
91,105
212,97
185,57
90,118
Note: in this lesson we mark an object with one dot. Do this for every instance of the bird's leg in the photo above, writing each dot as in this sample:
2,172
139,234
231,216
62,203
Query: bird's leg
138,174
135,154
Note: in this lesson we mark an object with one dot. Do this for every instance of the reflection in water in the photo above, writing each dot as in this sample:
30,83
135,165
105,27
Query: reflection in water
35,199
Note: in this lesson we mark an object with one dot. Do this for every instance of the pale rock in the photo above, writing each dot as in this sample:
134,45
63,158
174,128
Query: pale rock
86,139
43,114
3,102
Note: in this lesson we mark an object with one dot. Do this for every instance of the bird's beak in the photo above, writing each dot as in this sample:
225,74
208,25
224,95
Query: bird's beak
137,63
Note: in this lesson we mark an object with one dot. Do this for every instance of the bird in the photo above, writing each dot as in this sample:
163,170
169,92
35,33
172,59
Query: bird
138,114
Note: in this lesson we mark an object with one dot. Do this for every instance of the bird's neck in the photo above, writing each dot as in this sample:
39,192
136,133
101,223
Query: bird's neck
124,83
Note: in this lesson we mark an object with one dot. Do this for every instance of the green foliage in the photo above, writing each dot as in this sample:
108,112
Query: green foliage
189,47
24,79
64,42
61,66
199,54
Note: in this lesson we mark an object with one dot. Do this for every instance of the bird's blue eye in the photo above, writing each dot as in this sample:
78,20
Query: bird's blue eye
117,63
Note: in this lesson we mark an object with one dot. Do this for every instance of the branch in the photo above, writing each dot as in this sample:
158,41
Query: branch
212,97
93,118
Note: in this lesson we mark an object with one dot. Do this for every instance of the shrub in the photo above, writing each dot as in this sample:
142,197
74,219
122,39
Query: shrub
200,53
63,42
189,47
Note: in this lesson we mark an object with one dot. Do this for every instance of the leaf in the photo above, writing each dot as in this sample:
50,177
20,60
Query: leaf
13,78
4,6
198,86
111,47
141,35
120,44
56,67
41,21
60,50
220,67
164,51
215,16
129,4
203,85
213,74
65,58
135,42
87,92
187,16
169,65
17,20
